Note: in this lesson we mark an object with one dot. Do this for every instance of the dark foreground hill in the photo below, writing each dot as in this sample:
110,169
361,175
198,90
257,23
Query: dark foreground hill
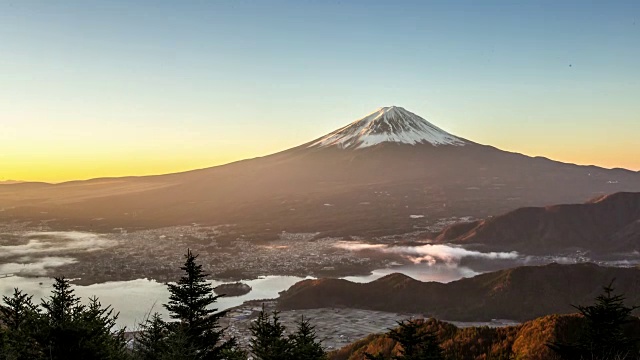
606,224
526,341
522,293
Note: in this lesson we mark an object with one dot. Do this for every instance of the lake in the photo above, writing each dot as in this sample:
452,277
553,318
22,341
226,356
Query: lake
135,299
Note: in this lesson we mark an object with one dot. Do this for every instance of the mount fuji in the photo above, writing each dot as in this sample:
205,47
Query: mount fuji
391,172
388,124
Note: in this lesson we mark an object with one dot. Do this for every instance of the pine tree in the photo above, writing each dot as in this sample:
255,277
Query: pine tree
234,354
63,305
98,327
305,343
151,340
604,337
59,335
190,302
17,310
179,345
417,343
17,315
268,341
69,330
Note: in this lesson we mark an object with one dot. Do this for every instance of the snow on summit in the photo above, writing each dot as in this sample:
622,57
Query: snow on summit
388,124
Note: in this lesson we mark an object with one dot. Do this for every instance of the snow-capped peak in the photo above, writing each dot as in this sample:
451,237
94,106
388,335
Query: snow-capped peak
388,124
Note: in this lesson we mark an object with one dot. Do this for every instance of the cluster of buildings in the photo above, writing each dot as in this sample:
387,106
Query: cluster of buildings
159,253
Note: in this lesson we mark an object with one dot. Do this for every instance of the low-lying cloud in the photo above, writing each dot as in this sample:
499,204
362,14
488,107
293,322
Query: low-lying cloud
35,252
35,267
47,243
429,253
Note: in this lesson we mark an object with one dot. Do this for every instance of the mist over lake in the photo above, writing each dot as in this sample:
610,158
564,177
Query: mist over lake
30,255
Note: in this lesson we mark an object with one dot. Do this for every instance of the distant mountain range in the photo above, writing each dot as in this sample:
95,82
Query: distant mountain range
521,293
391,172
607,224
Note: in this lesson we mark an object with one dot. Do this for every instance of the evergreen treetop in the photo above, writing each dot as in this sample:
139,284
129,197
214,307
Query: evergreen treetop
604,337
305,342
17,309
190,303
18,316
150,341
416,342
268,340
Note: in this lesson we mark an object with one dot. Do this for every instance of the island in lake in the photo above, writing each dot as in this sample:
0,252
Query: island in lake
232,289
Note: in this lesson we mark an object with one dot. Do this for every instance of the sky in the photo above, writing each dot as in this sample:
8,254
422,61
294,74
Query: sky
112,88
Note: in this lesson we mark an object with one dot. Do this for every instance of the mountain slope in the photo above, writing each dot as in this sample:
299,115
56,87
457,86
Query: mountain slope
334,185
526,341
606,224
521,293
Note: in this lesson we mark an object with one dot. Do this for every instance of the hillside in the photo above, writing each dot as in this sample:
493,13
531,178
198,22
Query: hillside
522,293
391,172
526,341
607,224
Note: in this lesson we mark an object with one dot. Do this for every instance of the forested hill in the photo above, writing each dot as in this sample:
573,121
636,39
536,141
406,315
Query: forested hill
527,341
604,225
522,293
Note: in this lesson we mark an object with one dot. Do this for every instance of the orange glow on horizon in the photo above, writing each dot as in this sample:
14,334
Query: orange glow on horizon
41,168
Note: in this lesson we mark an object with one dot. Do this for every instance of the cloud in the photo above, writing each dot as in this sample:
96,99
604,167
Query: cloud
359,246
35,266
46,243
429,253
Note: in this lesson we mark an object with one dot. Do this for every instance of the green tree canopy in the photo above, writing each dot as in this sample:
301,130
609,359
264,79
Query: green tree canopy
18,315
150,341
604,337
305,342
68,329
190,302
416,342
268,340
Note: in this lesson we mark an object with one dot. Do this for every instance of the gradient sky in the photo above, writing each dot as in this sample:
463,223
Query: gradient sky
110,88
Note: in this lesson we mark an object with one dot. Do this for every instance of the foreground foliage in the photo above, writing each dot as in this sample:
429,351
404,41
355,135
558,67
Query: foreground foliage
603,331
61,328
606,334
415,341
269,341
195,333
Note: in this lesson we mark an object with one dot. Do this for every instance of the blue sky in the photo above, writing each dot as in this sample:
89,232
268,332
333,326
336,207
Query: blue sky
179,85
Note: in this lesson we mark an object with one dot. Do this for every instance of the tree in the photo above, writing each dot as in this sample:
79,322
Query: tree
189,302
18,314
234,354
179,344
58,333
305,343
150,341
69,330
417,343
604,337
268,341
100,338
17,310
